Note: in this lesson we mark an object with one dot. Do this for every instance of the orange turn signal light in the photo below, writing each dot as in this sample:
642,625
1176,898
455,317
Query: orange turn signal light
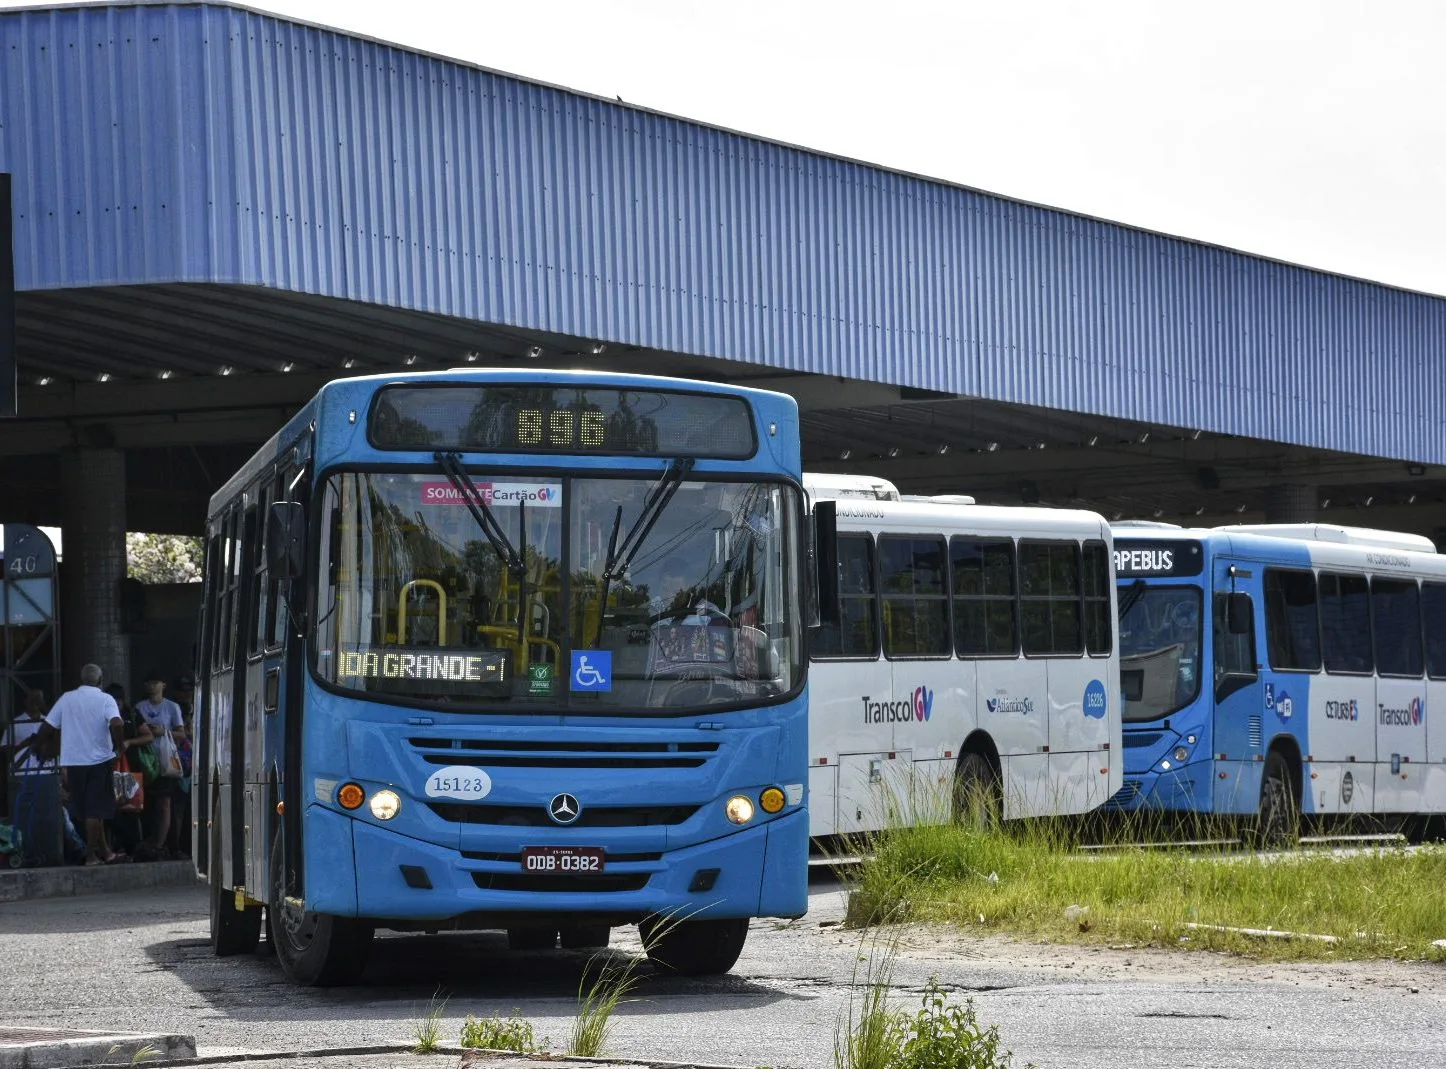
351,796
771,800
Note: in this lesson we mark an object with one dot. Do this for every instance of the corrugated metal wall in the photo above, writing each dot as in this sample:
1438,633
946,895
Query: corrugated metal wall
204,143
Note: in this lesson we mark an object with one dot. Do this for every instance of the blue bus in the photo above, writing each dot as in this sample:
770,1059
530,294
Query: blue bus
1280,673
506,650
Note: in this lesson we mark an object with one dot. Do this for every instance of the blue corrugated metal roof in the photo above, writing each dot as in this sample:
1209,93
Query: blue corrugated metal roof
207,143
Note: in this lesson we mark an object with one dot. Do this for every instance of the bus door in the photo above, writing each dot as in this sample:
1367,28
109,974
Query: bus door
1235,735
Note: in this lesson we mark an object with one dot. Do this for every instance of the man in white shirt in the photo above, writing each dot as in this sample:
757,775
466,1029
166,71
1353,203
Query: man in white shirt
89,724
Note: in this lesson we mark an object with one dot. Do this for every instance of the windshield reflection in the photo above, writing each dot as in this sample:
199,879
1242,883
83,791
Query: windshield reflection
1160,651
416,602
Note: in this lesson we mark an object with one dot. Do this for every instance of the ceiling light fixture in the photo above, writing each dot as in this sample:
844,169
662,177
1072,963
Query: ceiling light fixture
1369,499
104,376
943,448
1199,510
1143,437
991,447
844,454
44,380
349,362
1159,513
471,357
226,369
1039,445
1410,499
1240,507
1195,435
411,359
534,351
1094,441
1325,502
286,367
166,373
893,451
597,348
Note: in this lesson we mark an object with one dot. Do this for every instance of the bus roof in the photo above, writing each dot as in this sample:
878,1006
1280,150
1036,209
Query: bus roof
827,486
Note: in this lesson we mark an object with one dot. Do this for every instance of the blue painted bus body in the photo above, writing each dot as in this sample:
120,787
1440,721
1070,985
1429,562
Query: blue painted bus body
656,783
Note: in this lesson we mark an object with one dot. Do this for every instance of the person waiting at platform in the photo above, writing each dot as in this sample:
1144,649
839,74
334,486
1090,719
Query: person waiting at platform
87,722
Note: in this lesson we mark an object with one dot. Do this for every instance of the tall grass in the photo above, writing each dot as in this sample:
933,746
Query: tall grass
1024,878
604,984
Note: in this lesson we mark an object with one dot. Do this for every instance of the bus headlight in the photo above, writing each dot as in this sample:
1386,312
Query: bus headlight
1181,754
739,809
385,804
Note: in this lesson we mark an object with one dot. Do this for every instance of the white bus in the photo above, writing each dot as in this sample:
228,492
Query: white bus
964,650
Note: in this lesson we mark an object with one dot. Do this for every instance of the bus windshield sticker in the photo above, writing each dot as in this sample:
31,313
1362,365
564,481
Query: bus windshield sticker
592,670
535,495
464,782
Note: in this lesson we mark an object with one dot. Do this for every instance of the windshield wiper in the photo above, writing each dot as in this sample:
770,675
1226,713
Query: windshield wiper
620,556
451,465
1133,594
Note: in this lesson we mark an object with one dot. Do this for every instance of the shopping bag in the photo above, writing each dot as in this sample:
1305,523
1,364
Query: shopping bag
130,796
167,756
144,760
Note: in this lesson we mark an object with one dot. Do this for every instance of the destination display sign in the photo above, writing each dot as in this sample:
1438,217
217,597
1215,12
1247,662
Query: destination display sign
425,670
1148,558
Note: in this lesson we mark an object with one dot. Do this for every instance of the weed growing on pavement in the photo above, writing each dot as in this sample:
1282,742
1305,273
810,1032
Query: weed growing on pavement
144,1053
1031,879
939,1035
493,1033
427,1031
603,985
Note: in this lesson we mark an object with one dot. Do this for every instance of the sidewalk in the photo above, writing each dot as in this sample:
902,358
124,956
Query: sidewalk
17,885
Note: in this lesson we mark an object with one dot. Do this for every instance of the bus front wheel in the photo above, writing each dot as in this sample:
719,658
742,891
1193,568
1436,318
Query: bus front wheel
314,949
1278,823
694,948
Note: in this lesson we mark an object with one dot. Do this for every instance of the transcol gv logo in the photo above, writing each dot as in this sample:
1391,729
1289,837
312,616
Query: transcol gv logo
1406,716
918,706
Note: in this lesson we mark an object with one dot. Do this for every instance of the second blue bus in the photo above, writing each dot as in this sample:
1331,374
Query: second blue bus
1281,674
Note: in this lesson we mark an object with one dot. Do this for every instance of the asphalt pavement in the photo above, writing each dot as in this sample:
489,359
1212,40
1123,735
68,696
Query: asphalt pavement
141,962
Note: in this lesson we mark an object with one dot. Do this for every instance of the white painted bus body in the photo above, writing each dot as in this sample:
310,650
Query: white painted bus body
886,734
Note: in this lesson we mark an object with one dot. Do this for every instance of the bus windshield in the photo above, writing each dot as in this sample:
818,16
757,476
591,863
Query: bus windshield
1160,651
417,601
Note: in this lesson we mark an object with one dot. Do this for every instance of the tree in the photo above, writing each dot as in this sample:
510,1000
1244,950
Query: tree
155,558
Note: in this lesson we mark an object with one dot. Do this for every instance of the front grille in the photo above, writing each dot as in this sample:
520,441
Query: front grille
514,753
1142,738
536,816
516,859
1126,796
522,881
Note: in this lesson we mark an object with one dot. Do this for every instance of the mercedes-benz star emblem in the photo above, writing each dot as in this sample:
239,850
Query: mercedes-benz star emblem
564,809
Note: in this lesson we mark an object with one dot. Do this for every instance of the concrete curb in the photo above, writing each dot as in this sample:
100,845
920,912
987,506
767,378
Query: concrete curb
503,1059
18,885
33,1050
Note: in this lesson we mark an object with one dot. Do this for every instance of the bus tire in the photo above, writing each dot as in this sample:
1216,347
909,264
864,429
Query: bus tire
585,937
531,938
233,931
314,949
694,948
978,795
1278,822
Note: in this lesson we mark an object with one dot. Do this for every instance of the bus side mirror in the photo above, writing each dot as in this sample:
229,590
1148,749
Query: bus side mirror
1237,614
286,539
825,538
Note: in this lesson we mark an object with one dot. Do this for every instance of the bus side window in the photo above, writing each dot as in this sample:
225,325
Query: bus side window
856,632
1234,632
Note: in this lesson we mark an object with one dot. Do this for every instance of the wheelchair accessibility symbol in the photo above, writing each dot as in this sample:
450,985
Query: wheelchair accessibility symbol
592,670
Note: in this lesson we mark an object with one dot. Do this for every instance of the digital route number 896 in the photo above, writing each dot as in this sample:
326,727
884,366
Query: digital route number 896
561,427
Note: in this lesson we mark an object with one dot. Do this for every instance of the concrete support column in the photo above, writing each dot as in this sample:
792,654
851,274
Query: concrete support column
93,487
1291,503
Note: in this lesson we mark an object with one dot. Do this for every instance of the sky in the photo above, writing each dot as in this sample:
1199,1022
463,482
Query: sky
1312,131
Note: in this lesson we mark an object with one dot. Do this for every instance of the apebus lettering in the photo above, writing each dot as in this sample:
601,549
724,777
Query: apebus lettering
918,706
1144,560
1388,560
